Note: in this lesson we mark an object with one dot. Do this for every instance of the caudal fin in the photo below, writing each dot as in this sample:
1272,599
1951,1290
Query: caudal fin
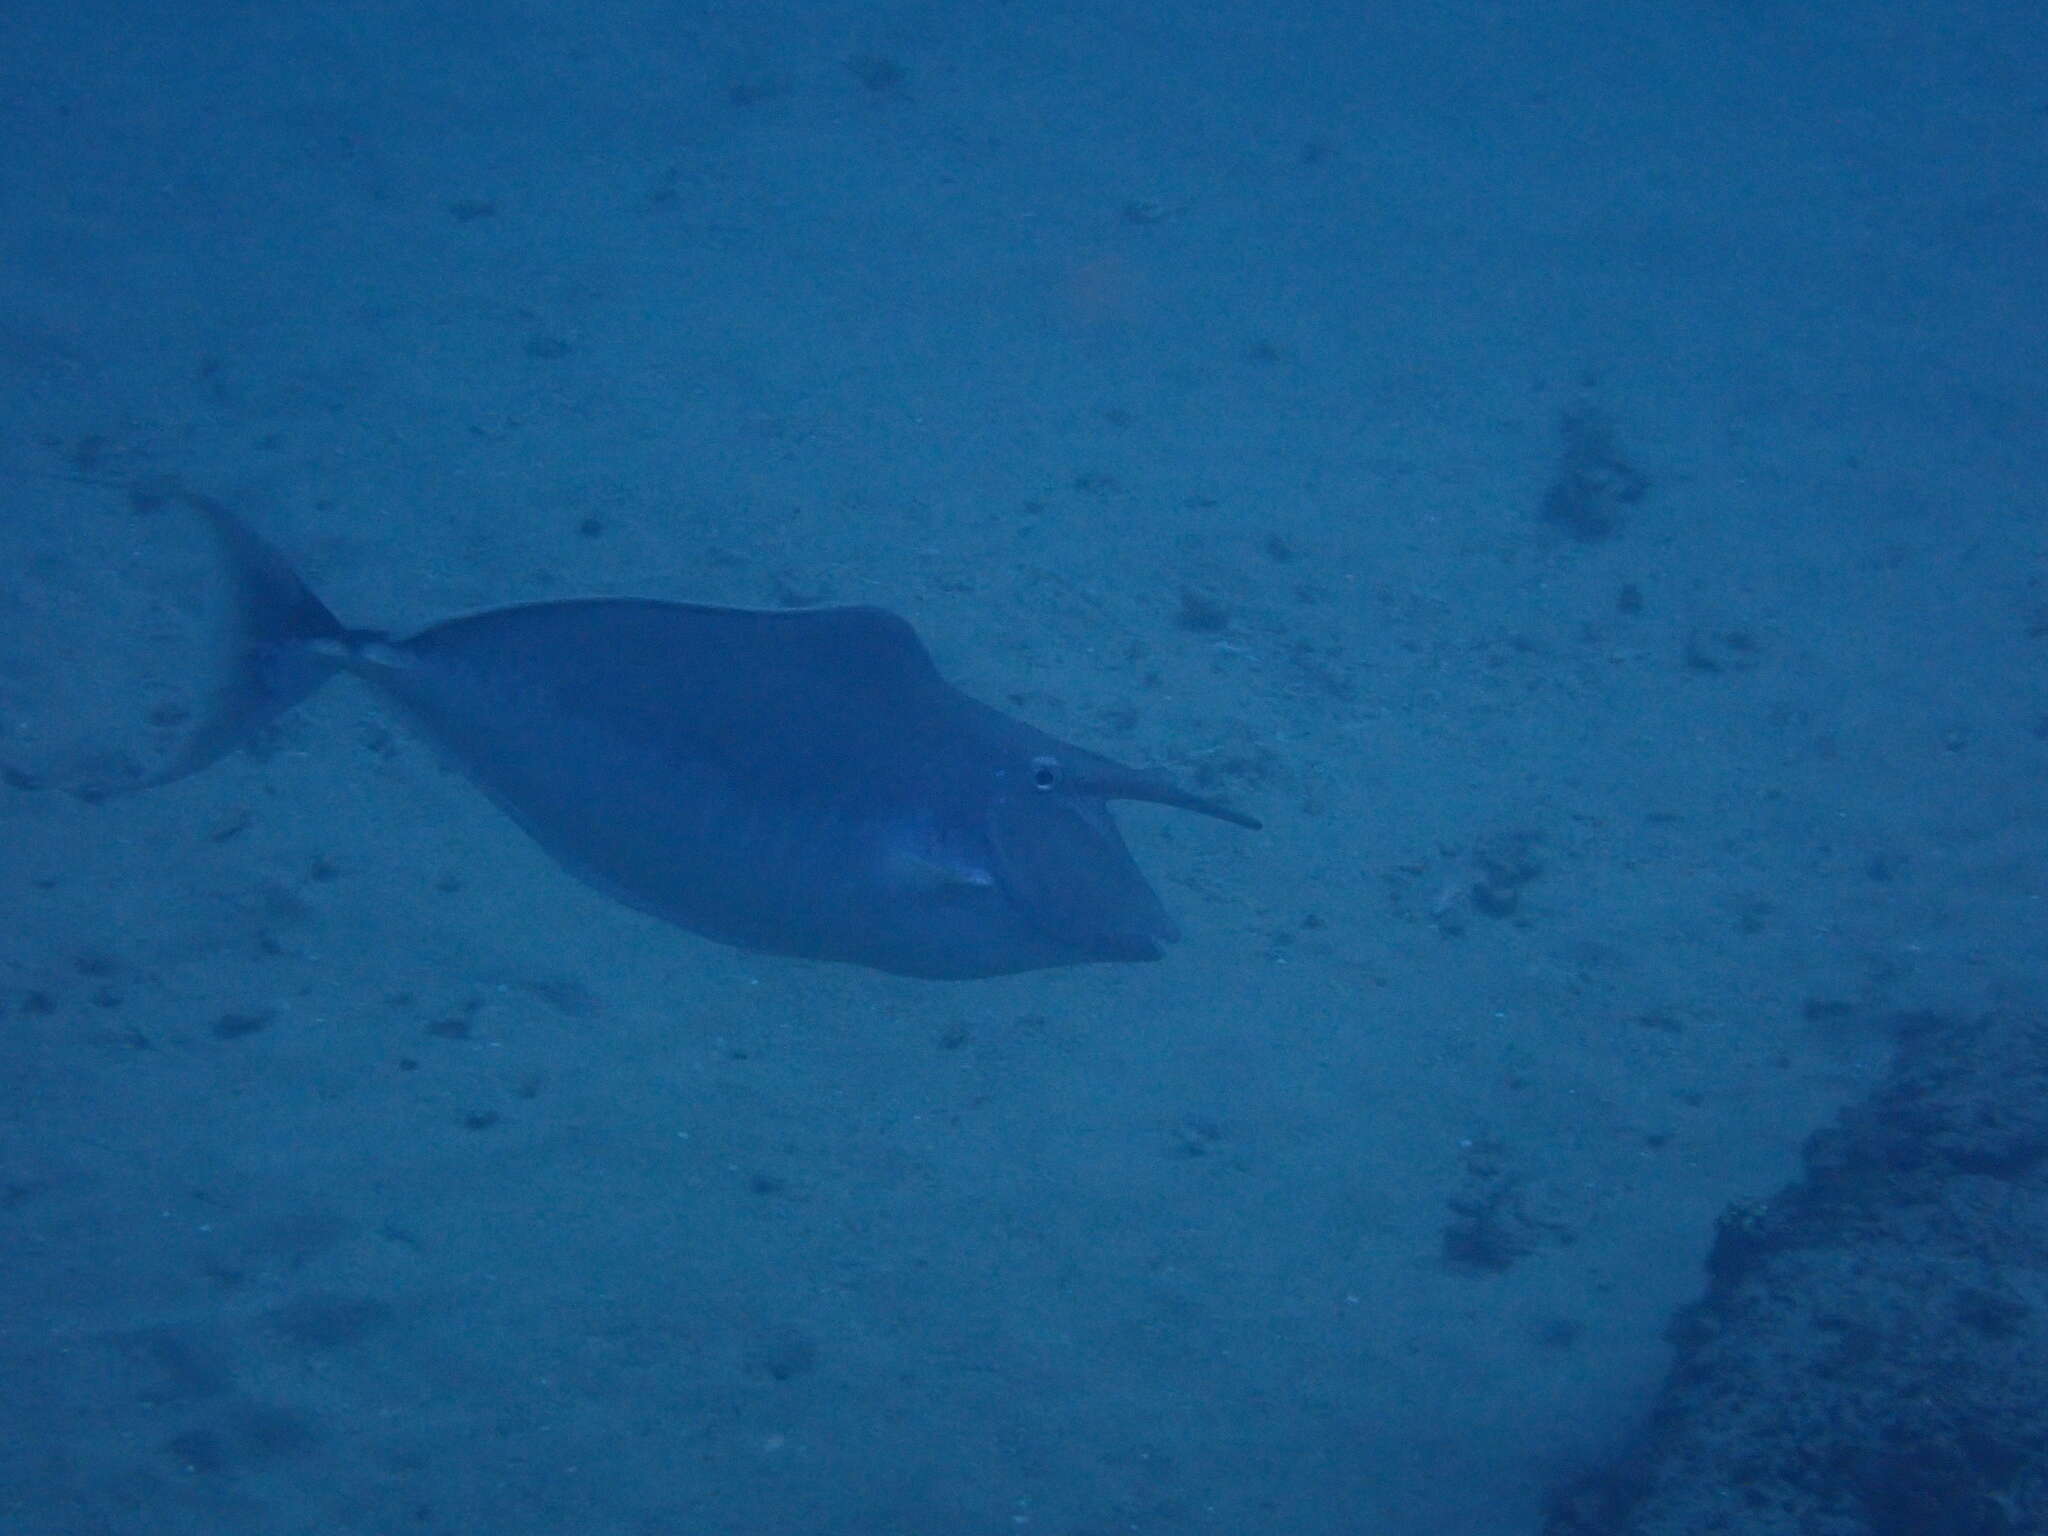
272,657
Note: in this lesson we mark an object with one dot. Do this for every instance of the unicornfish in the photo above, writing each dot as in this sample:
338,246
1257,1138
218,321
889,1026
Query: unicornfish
798,782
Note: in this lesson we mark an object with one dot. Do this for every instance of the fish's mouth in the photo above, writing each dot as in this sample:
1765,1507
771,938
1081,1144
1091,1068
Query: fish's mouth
1065,867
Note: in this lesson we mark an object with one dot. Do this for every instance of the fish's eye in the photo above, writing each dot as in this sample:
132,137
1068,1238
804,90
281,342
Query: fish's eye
1046,774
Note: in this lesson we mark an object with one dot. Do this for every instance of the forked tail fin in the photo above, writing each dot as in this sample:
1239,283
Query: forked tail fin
276,644
276,647
273,660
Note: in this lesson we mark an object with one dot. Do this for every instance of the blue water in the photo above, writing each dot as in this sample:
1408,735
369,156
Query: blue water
1573,470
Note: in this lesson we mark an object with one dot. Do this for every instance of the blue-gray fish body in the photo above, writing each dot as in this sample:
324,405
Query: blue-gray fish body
798,783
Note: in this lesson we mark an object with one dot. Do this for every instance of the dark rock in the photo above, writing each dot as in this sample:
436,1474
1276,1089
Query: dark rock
1870,1354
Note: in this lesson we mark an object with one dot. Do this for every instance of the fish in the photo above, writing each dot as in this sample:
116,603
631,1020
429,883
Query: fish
796,782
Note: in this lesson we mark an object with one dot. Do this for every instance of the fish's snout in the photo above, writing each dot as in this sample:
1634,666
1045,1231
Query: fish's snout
1076,772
